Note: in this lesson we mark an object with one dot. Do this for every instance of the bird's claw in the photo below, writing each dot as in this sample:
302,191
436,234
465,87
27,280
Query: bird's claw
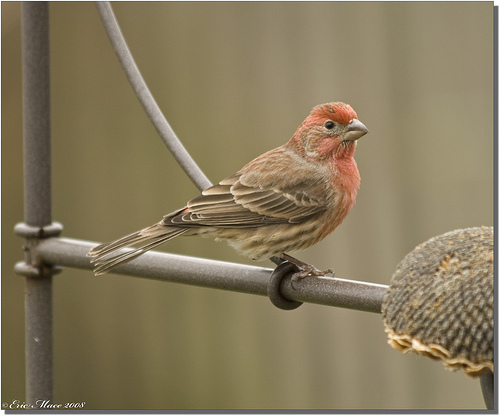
310,270
303,269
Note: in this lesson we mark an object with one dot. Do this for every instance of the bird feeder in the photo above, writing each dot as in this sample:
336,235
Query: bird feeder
440,302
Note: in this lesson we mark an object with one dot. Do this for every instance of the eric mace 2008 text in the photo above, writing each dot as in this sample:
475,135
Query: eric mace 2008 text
42,404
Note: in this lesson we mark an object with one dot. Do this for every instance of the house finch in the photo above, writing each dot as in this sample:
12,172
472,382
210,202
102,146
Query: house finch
289,198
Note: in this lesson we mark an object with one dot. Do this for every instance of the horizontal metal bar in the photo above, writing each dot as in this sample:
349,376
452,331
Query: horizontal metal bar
215,274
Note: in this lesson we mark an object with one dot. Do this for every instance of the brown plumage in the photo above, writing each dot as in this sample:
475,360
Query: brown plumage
289,198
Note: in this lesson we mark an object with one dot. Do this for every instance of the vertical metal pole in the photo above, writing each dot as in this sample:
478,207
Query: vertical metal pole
37,195
488,389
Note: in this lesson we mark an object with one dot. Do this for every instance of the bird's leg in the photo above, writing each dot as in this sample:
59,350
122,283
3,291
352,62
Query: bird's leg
305,269
277,260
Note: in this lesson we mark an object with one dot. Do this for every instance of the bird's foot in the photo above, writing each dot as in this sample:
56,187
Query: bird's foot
305,269
310,270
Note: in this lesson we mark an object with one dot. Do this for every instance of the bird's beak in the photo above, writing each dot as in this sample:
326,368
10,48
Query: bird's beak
355,130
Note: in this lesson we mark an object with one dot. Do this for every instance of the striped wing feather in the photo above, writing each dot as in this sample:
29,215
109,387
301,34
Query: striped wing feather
232,203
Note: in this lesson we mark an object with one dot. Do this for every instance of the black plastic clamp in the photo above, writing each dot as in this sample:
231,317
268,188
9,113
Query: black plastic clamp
274,286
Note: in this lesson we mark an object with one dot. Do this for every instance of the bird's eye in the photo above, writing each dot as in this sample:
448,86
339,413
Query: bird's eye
329,125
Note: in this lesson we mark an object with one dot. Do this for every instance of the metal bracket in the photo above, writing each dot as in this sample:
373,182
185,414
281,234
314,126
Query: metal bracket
33,266
274,287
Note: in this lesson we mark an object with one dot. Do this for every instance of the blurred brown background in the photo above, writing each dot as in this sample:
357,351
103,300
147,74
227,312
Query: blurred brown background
235,80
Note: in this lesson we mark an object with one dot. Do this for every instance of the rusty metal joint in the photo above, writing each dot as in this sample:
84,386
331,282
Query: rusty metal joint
33,266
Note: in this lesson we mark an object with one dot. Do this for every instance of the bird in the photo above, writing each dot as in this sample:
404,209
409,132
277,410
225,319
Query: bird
286,199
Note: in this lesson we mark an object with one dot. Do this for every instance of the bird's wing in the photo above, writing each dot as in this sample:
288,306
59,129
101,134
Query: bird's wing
247,200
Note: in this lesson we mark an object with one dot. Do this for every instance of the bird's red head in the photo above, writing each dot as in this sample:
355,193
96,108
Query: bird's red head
330,130
338,112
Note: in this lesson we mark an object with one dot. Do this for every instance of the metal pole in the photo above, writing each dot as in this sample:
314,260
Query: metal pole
146,98
37,199
214,274
488,388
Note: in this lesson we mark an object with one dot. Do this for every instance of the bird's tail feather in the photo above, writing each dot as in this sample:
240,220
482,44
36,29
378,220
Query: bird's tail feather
149,238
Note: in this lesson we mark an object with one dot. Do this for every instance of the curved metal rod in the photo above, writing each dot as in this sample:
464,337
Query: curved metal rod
196,271
146,98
